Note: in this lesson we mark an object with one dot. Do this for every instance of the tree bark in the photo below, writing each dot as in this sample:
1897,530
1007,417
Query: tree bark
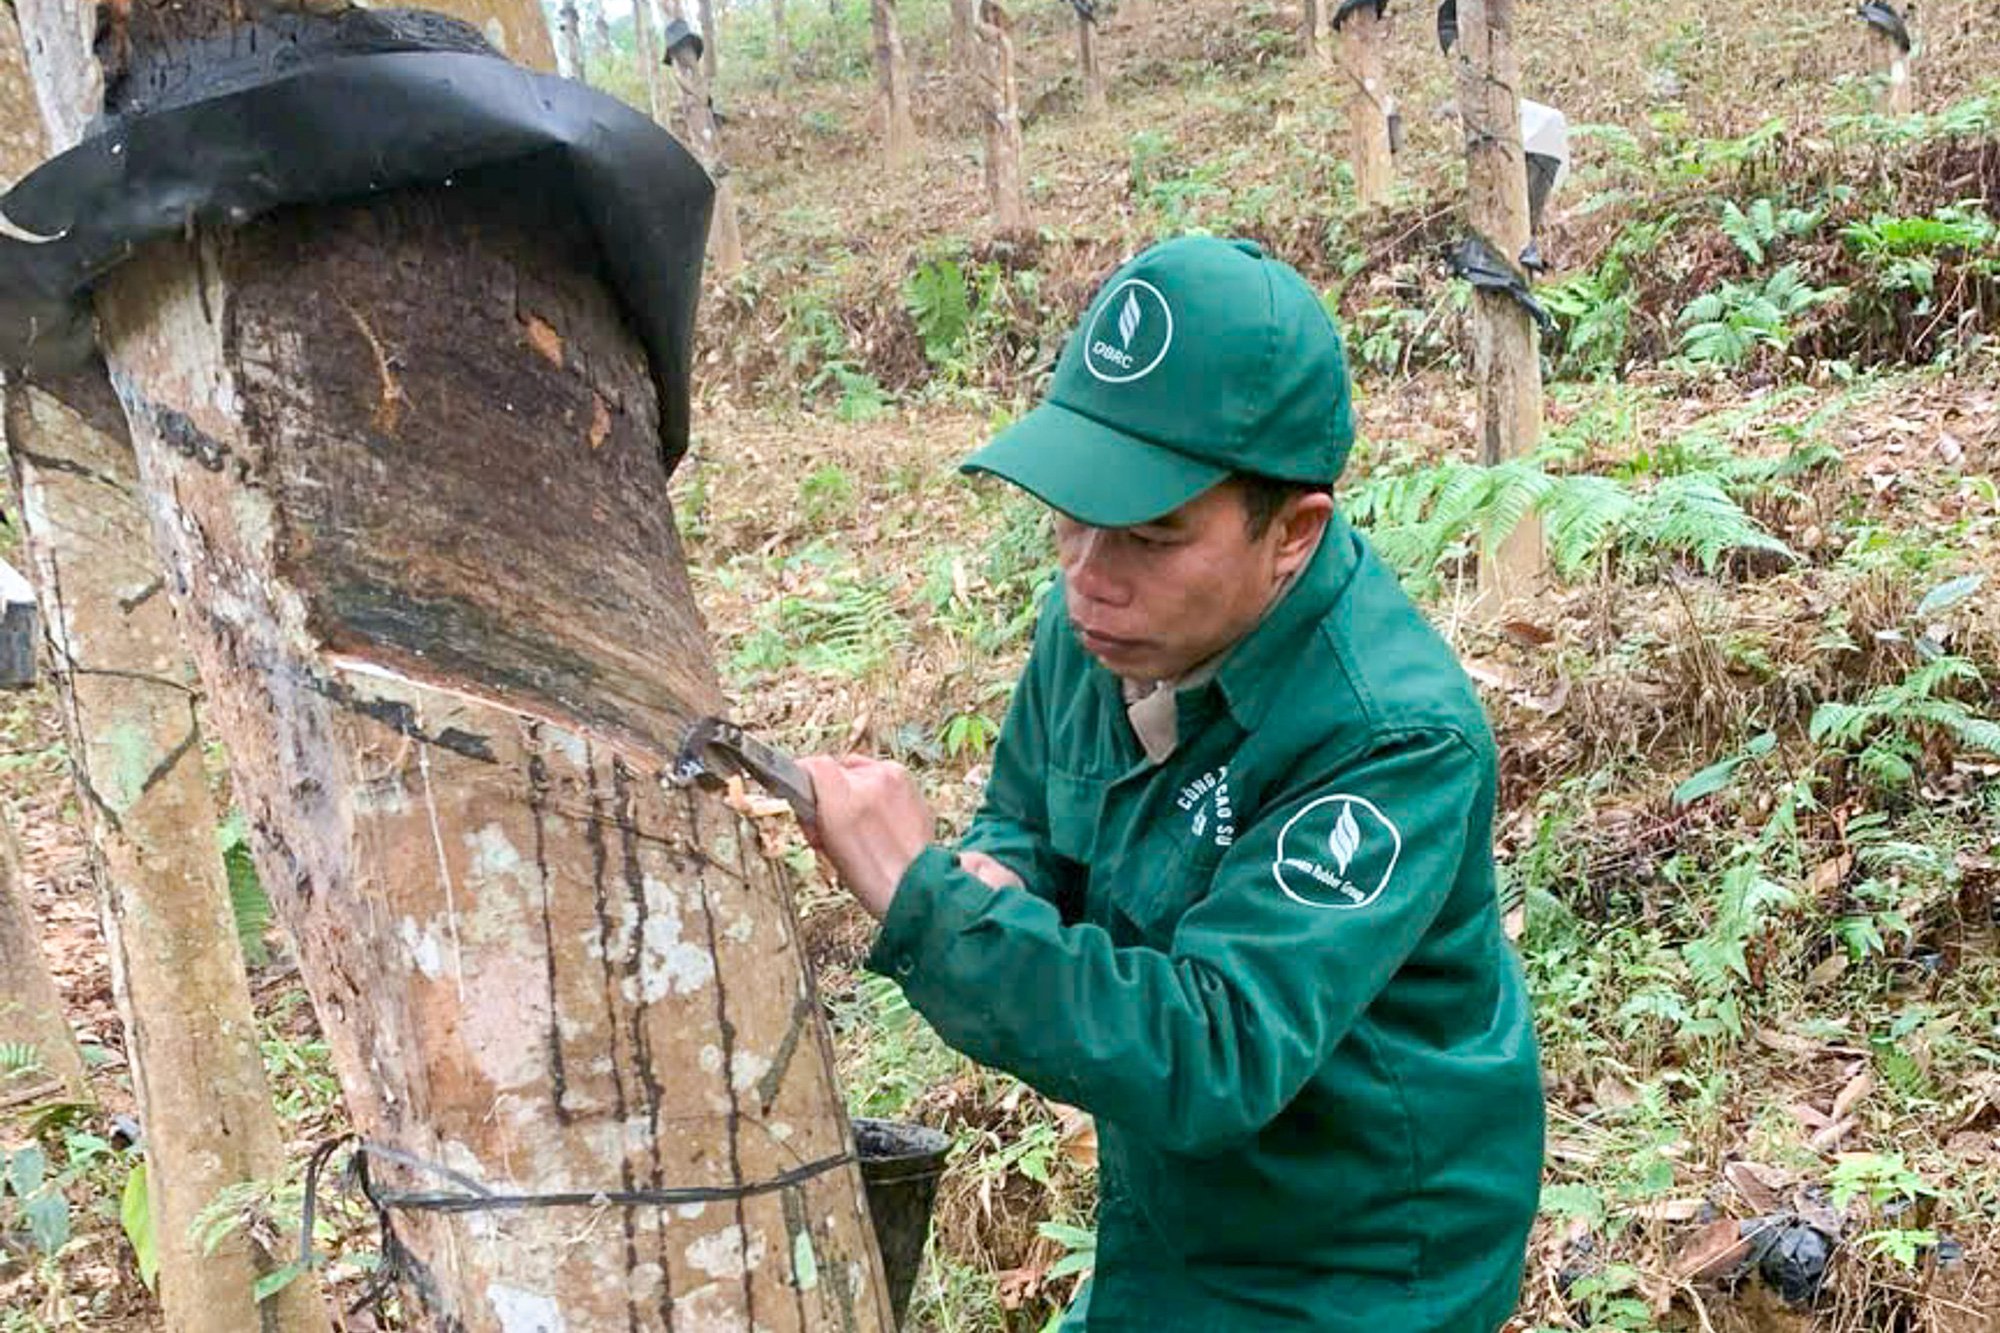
781,39
569,44
1506,363
964,44
31,1011
1898,96
1086,62
1368,104
710,47
128,696
1004,188
892,85
403,462
725,236
1316,26
600,27
517,28
648,53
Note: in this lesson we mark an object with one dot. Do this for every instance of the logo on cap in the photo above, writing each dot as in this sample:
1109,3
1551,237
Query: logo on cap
1136,346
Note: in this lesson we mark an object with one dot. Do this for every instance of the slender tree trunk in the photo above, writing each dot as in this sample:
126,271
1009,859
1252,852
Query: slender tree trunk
1506,363
725,236
1368,103
31,1011
964,44
1086,62
434,583
892,86
600,28
128,695
1004,187
649,54
569,46
1898,97
135,749
781,39
1317,28
710,47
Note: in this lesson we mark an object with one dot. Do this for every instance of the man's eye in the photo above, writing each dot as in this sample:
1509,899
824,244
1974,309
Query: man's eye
1150,540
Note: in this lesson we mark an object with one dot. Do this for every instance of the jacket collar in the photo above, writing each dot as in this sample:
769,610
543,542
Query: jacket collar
1259,664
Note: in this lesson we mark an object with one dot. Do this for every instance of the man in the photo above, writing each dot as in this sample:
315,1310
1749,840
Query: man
1231,889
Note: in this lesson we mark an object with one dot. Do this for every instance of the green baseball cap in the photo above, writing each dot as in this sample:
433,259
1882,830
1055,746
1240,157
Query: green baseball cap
1199,359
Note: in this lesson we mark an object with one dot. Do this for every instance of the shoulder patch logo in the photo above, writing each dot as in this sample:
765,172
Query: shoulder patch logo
1130,334
1340,852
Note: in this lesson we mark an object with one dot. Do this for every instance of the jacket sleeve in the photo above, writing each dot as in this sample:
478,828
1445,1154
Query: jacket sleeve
1012,824
1312,911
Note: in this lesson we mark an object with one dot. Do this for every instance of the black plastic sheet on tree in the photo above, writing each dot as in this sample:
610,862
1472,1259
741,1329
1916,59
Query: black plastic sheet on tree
1447,25
1348,7
297,109
1883,18
1479,263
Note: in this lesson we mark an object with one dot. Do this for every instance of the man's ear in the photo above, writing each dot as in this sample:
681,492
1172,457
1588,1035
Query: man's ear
1298,527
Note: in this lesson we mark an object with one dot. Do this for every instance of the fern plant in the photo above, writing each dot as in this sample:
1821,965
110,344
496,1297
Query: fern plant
1421,519
1746,900
1761,227
1885,731
936,299
1593,310
1726,326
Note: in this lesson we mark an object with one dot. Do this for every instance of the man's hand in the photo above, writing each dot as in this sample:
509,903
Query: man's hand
988,871
872,823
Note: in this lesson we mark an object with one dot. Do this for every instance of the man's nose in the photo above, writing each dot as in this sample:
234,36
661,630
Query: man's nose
1090,571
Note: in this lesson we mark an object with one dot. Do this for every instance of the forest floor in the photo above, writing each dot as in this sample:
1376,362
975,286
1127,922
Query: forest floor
1750,732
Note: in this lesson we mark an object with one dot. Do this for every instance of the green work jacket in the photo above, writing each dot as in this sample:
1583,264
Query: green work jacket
1272,967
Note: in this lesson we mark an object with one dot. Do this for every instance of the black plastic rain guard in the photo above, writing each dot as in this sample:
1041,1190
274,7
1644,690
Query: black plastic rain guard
900,1166
301,109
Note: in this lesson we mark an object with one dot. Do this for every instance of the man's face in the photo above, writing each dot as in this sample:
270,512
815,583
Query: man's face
1152,601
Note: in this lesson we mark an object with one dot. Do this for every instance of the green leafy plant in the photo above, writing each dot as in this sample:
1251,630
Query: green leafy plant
1756,230
1885,731
1724,327
1907,252
248,903
968,735
825,492
935,296
1439,514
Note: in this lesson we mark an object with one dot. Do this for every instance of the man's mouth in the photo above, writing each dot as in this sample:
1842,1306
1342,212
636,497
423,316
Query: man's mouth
1098,642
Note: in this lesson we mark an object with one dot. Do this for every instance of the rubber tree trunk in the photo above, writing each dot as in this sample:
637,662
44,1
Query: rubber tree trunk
1506,363
892,85
964,48
128,696
1898,95
1091,73
649,54
1361,37
725,234
31,1011
569,42
403,463
518,28
1001,98
710,46
600,29
1316,26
